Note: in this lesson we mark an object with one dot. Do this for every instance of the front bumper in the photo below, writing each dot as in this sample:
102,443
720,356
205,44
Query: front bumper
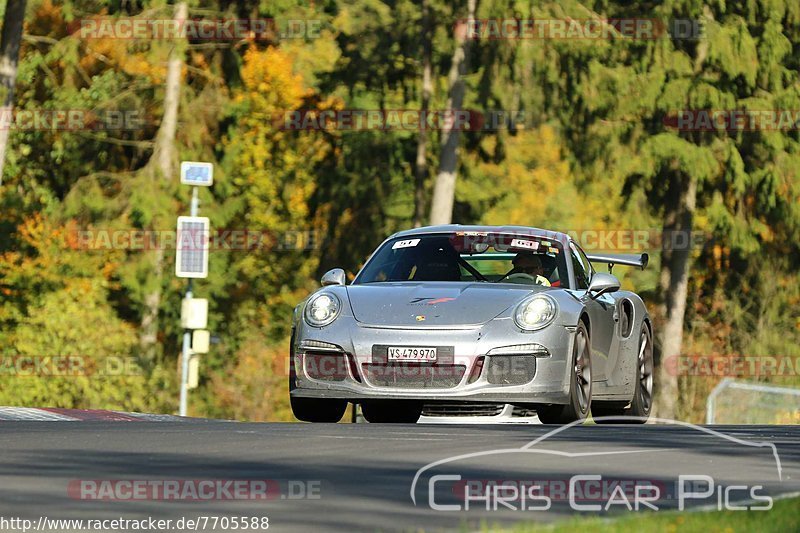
347,360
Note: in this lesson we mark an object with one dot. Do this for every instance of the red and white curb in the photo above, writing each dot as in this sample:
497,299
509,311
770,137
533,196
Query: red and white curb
52,414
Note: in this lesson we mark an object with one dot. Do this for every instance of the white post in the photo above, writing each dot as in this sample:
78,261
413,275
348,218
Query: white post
710,415
187,334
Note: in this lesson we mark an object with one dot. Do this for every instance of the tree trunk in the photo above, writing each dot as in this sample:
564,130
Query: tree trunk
9,58
421,168
164,154
445,188
674,276
165,160
674,284
148,328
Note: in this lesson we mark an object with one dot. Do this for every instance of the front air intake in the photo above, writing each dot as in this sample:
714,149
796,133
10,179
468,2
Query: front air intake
510,369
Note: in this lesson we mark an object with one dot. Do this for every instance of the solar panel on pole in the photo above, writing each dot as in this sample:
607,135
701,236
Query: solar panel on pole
191,258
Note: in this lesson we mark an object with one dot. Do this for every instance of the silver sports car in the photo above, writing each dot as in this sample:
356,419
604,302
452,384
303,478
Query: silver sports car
471,317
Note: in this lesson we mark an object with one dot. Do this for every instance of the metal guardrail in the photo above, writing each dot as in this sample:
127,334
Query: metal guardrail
729,383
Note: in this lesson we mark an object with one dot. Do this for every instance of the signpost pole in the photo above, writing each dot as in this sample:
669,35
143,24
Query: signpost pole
187,334
191,261
187,341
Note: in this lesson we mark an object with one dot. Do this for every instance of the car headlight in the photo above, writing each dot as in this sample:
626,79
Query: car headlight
322,309
535,313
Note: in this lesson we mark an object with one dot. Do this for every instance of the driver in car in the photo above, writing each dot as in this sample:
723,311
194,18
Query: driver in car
530,264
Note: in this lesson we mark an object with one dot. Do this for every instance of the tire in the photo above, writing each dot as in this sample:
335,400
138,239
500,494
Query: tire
642,402
318,409
580,388
391,412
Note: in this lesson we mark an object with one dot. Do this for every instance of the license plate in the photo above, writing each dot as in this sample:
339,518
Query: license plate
412,353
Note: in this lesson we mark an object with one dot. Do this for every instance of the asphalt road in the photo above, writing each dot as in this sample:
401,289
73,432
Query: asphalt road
360,476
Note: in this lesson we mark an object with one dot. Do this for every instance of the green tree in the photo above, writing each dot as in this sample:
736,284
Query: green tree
615,100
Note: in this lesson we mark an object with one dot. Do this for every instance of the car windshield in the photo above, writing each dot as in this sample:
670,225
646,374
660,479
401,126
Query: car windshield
468,257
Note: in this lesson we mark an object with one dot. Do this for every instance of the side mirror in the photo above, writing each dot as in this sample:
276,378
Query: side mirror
602,283
335,276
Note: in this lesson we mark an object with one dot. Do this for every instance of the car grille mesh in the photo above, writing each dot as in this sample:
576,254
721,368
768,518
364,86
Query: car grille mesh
414,375
462,409
326,366
510,369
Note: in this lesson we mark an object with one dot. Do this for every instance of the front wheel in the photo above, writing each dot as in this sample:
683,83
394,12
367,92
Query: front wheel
391,412
642,402
580,388
317,409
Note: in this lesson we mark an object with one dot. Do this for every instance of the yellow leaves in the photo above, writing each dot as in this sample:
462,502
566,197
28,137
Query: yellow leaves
47,17
788,417
275,168
56,257
123,55
267,152
80,286
531,177
298,193
199,61
314,57
271,83
109,269
256,386
32,229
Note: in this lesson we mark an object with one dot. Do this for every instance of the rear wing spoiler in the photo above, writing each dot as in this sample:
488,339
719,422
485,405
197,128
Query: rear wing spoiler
635,260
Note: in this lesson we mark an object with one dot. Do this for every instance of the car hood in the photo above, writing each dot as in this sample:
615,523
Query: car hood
414,304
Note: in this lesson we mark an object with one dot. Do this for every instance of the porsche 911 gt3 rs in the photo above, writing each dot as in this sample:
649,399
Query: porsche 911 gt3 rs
465,315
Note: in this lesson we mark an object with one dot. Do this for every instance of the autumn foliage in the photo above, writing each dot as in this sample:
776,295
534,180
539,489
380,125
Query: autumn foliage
593,150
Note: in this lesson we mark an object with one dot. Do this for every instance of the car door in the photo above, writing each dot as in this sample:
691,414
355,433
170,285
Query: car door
601,315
